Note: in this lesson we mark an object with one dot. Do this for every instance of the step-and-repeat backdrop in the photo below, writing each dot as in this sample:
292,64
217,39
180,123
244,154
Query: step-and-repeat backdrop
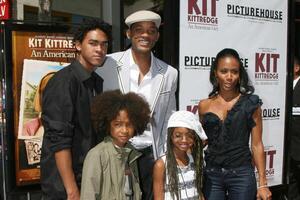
258,31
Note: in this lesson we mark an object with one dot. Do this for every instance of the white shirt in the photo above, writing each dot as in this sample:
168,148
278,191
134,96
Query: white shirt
295,82
296,110
144,90
186,181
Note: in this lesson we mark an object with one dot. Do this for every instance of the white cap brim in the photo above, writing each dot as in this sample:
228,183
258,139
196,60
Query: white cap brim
188,120
143,16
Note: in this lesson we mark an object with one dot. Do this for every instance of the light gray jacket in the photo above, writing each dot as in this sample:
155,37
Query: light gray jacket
116,75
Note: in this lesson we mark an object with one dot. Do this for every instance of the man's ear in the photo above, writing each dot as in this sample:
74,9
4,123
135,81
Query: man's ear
297,68
78,46
128,34
158,35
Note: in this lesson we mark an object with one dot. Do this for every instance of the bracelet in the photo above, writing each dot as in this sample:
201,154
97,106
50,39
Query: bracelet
262,186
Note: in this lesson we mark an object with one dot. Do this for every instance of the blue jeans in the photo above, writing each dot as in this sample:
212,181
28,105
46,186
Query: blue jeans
229,183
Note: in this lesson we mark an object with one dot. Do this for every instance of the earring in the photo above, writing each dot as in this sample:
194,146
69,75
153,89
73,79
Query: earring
242,89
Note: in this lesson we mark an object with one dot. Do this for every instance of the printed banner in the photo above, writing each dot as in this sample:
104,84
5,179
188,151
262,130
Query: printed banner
258,31
36,56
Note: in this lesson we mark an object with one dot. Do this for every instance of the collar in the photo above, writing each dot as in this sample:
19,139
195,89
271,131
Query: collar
119,152
133,65
81,72
128,151
295,82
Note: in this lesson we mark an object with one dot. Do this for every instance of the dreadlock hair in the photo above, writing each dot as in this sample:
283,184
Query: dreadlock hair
171,164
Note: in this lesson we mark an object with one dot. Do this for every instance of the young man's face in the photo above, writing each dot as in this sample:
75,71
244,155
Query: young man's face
143,36
92,49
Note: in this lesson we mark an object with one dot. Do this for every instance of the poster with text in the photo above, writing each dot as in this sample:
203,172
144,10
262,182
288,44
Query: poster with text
258,31
36,56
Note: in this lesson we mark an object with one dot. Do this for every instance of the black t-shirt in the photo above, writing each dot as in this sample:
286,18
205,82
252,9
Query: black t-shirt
228,140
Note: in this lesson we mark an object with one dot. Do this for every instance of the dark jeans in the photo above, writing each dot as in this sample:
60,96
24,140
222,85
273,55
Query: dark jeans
145,164
294,175
231,183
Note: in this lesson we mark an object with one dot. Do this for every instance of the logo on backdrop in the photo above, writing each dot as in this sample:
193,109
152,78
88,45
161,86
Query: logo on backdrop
202,14
271,113
198,62
270,155
266,67
204,62
254,14
192,108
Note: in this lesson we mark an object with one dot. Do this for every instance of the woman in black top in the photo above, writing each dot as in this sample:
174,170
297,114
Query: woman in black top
229,116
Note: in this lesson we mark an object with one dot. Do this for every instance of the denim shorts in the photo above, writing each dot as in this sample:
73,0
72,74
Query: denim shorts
237,183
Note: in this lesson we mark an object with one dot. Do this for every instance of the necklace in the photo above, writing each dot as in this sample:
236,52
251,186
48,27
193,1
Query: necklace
231,101
185,184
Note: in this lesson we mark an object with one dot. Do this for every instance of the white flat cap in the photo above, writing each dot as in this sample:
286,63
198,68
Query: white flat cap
187,119
143,16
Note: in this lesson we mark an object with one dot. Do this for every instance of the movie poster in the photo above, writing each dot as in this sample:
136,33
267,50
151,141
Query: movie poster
36,57
34,81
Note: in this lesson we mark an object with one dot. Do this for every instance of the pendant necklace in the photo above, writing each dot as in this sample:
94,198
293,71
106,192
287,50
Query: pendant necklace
184,183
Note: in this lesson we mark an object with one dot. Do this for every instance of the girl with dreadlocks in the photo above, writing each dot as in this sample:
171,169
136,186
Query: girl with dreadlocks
178,174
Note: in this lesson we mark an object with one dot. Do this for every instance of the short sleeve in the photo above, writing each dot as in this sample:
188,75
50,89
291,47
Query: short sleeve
252,104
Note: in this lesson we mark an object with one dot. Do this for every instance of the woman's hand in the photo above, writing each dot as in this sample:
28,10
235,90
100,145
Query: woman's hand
263,193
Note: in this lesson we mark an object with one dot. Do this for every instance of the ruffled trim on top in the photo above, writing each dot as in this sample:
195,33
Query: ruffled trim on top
251,108
247,102
218,130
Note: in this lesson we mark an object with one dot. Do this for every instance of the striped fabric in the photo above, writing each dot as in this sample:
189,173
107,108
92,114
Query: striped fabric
187,182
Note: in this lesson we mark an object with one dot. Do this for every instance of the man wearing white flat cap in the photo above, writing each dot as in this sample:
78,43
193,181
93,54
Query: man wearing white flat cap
138,70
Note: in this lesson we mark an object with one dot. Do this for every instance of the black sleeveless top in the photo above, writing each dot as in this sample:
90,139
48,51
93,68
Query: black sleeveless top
228,140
